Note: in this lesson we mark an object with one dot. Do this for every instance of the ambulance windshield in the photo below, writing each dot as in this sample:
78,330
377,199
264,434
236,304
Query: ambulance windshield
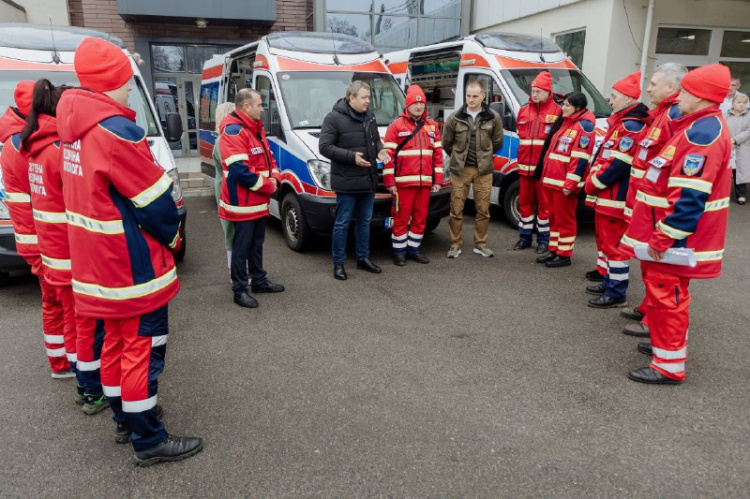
564,81
310,95
138,100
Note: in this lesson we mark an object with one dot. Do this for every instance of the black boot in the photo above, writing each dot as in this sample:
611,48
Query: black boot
522,245
646,348
243,299
367,265
546,258
605,301
268,287
122,430
339,272
399,260
558,261
594,276
173,448
596,289
651,376
418,257
541,248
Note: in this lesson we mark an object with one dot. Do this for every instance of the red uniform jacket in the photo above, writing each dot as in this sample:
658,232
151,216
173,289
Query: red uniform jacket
419,163
683,200
569,152
608,180
248,164
15,169
533,124
45,180
122,220
652,141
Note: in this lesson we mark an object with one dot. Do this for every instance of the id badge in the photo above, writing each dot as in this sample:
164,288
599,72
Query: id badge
653,174
607,153
643,154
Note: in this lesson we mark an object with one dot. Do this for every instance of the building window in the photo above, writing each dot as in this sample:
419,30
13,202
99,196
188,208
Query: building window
395,24
572,44
683,41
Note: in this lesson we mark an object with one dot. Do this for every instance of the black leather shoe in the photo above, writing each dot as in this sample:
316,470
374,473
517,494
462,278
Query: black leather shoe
632,313
541,248
595,290
418,257
651,377
173,448
367,265
339,272
639,330
268,287
399,260
245,300
605,301
645,348
594,276
558,261
122,430
546,258
521,245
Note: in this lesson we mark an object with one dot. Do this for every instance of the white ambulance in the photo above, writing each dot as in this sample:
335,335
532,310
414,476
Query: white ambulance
300,76
31,52
506,63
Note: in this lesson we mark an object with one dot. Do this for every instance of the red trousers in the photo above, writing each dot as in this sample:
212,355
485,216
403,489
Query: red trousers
562,222
668,308
601,260
131,362
409,219
532,200
53,326
642,308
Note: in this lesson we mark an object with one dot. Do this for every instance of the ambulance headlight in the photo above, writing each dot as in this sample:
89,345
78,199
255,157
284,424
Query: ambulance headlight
4,213
176,188
321,172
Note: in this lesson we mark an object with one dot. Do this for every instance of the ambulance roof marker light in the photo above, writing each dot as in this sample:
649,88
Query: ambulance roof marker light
541,45
335,56
55,56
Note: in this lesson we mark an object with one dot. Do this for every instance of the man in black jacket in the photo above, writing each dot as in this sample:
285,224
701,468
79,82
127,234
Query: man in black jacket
349,138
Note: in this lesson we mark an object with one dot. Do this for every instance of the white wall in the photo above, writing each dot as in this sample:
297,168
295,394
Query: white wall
491,12
41,11
11,14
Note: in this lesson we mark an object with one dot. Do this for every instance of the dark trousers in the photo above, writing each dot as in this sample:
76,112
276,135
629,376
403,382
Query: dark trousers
740,190
247,253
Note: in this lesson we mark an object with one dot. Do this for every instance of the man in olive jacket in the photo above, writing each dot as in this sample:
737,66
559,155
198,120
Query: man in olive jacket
471,136
349,137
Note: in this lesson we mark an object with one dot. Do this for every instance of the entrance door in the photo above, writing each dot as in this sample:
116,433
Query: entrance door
179,94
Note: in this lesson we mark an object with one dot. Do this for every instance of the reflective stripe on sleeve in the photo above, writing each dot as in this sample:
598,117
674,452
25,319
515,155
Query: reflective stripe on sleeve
671,231
26,239
236,157
691,183
637,173
553,181
258,184
559,157
388,171
610,203
718,205
656,201
598,183
149,195
93,225
50,217
125,292
244,210
56,263
390,145
17,197
437,144
573,177
709,256
625,158
629,241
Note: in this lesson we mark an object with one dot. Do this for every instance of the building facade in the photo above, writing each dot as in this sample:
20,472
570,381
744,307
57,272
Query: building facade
605,37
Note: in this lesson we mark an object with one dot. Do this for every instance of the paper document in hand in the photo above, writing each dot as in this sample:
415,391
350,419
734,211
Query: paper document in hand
673,256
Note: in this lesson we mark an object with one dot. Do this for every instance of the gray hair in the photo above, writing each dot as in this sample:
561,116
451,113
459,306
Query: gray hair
739,95
354,87
672,72
244,95
222,110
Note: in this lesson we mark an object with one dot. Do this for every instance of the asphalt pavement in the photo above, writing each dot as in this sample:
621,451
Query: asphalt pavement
475,377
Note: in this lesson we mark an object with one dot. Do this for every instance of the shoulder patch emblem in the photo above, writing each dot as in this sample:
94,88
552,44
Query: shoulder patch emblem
626,143
584,141
233,129
123,128
693,164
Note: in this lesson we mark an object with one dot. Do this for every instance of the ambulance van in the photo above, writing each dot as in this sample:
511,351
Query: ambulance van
300,76
506,63
31,52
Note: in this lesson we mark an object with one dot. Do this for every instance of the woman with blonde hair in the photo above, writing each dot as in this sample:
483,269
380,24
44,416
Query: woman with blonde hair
221,112
738,121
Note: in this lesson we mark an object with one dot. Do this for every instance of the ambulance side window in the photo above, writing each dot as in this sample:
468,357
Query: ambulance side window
271,119
493,92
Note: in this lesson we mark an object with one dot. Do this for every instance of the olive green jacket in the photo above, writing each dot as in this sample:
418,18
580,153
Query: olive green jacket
489,136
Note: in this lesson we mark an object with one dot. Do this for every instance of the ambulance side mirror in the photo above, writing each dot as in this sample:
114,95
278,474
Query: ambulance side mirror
174,127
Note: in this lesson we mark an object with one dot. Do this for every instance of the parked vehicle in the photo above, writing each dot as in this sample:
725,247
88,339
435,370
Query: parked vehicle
300,76
31,52
506,63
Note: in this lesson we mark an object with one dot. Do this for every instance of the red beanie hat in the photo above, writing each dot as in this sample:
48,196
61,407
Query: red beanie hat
630,85
543,81
23,96
415,94
710,82
101,65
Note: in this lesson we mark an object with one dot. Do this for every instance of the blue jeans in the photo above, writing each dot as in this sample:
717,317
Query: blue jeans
358,206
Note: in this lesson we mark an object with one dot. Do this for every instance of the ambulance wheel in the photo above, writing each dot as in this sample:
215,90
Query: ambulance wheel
294,224
180,255
510,204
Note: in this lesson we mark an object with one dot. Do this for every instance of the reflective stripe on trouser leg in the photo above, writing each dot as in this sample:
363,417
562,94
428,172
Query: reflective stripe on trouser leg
526,207
611,230
89,343
563,212
419,211
52,325
70,330
542,212
668,305
601,259
144,348
618,279
399,244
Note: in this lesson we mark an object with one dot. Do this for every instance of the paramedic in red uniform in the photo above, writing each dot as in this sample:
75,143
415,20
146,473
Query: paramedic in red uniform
608,183
687,188
413,141
15,173
565,160
83,336
123,226
535,120
251,177
663,90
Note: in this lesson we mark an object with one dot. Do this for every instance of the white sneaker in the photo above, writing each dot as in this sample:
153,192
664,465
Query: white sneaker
484,251
454,252
63,374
